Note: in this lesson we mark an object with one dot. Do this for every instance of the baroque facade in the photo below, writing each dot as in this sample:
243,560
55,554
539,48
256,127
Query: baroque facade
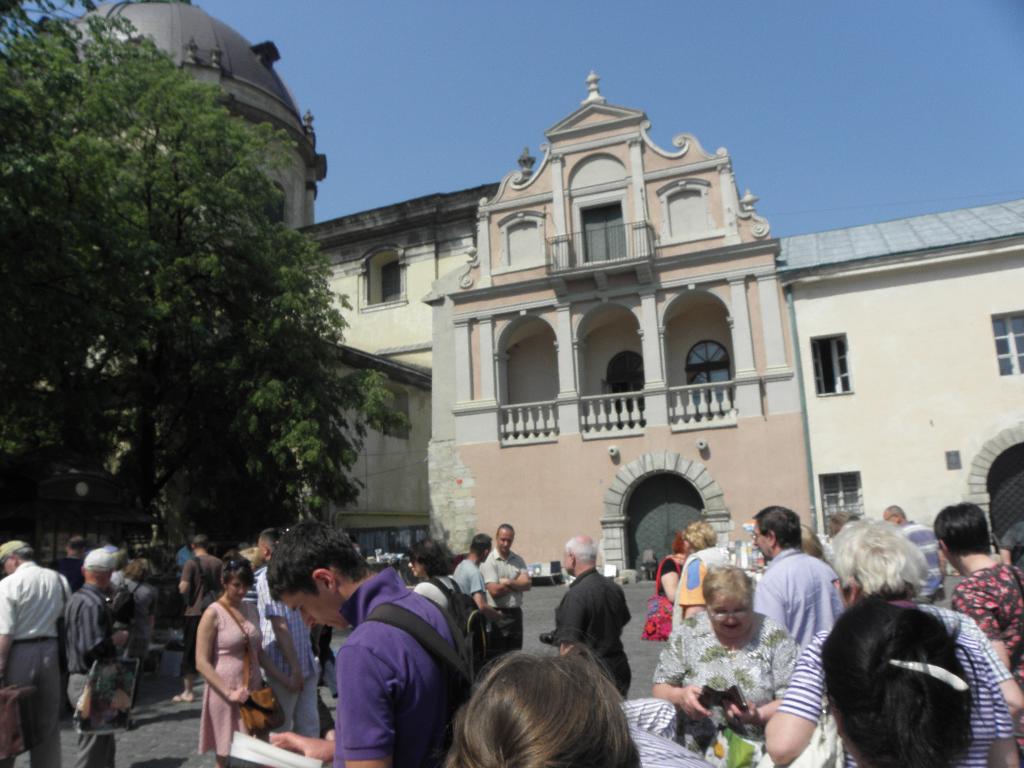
615,357
618,346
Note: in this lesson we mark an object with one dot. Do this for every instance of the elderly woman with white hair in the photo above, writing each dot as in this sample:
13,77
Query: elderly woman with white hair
875,560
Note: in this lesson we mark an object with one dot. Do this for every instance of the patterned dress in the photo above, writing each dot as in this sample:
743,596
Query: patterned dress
221,718
992,597
761,670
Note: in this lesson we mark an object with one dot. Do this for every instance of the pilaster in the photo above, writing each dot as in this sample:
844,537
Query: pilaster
487,360
748,386
636,163
463,364
558,195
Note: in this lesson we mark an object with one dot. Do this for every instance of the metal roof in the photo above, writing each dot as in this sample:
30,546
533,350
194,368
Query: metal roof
889,238
172,26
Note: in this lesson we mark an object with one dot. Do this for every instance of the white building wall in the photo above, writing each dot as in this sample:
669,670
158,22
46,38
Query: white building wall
924,375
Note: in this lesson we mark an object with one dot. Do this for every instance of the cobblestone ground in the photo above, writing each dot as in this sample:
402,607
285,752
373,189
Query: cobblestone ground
166,734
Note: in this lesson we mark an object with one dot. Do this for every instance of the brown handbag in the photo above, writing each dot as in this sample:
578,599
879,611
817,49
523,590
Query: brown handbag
14,715
261,712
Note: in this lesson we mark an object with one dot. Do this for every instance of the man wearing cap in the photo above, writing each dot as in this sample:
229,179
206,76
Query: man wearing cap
91,637
31,602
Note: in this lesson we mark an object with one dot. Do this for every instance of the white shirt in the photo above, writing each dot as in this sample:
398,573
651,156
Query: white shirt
31,601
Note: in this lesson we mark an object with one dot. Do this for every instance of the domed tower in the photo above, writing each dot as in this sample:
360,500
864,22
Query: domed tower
213,52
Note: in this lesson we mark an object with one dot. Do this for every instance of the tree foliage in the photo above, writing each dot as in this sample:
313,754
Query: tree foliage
153,315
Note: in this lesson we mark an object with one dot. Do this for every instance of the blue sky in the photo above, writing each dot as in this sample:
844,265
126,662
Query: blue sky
835,114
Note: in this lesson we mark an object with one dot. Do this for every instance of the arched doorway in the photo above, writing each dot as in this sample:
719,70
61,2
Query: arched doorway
659,506
1005,484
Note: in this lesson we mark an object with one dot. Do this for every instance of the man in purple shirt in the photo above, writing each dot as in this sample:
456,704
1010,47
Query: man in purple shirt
392,707
798,591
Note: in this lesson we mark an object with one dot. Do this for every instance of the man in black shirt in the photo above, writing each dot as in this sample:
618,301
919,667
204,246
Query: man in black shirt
91,637
593,612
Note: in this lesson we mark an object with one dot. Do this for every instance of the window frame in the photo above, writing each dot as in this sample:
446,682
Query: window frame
855,507
1014,343
837,362
706,367
372,276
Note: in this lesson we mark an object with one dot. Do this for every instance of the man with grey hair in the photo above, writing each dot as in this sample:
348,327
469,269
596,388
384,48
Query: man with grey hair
593,612
31,601
90,638
922,537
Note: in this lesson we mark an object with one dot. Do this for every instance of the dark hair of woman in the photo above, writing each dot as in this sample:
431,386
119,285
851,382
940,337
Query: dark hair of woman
543,712
890,715
433,556
237,568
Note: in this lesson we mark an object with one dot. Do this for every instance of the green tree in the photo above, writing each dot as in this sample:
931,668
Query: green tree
151,313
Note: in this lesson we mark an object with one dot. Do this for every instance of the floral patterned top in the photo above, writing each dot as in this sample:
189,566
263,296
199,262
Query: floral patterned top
761,670
993,599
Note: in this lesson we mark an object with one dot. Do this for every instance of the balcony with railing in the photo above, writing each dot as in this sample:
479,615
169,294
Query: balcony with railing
702,406
613,244
617,414
524,423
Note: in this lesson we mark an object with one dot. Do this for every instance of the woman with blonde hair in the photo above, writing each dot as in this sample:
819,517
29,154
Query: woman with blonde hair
744,658
702,553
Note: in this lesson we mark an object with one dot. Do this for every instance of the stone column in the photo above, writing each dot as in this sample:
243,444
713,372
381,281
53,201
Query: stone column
483,247
655,404
568,393
771,321
636,162
487,361
557,195
463,364
748,387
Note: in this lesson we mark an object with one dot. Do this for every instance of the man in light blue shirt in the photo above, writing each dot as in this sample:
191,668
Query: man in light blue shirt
798,591
469,579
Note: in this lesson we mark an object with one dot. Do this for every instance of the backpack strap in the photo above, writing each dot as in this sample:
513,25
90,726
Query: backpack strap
430,639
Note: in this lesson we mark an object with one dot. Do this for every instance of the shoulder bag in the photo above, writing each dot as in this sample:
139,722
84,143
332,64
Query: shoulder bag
261,712
824,750
658,625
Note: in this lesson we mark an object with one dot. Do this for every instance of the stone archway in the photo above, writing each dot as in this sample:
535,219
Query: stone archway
614,520
977,478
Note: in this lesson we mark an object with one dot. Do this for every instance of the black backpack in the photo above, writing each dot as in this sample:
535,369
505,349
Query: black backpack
471,624
455,660
122,605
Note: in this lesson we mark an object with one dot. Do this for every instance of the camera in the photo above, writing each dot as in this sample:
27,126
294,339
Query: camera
548,638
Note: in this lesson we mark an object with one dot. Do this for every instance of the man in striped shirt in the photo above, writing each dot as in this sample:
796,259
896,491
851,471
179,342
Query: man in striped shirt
923,538
91,637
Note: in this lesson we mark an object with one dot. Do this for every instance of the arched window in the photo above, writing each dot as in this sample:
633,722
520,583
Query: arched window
383,274
707,361
625,373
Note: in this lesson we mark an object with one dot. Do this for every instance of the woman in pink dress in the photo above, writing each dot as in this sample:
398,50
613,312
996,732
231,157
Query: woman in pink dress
228,630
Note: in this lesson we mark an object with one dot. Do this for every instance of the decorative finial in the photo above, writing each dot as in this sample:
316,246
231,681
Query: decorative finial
526,161
193,49
748,201
215,55
593,93
307,120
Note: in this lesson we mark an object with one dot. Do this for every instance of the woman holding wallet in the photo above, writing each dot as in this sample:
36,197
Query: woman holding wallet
725,670
228,632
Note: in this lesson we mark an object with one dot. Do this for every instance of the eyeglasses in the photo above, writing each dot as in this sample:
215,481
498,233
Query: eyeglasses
722,615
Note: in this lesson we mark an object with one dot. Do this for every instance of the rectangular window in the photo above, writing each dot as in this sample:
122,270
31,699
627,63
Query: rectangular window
604,234
840,492
1009,333
391,282
831,372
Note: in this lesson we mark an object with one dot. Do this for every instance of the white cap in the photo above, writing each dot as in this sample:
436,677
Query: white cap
98,560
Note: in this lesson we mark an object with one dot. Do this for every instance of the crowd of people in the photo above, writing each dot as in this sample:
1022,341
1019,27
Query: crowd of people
836,653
